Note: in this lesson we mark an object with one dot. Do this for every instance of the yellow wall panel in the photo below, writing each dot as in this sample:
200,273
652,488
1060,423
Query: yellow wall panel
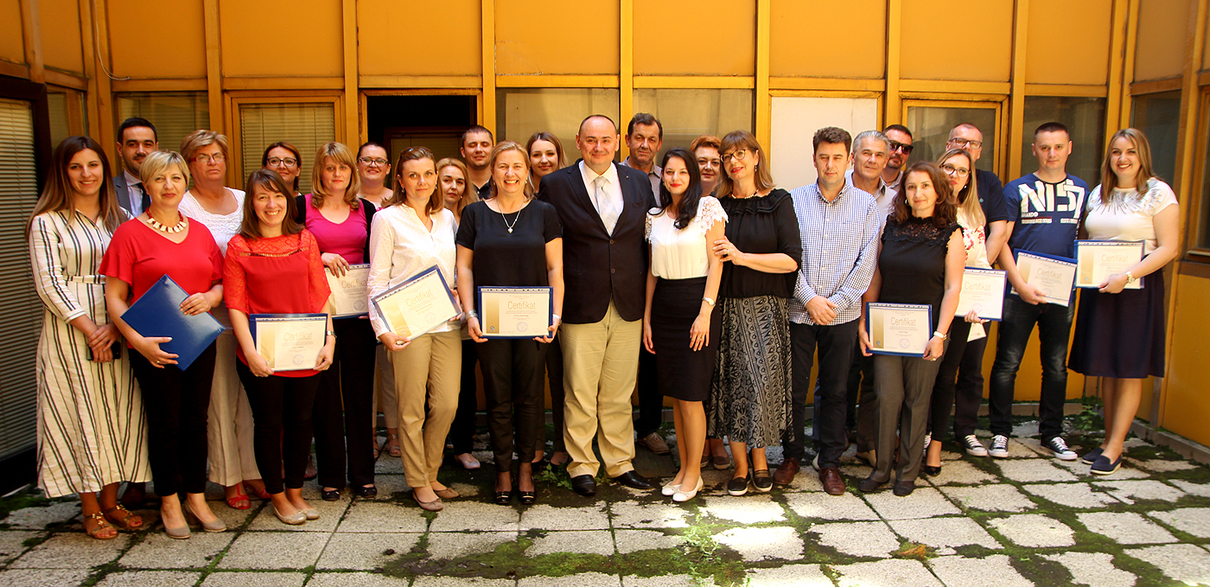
984,52
1060,54
302,38
417,38
680,37
61,34
557,37
167,42
12,45
825,39
1160,49
1186,403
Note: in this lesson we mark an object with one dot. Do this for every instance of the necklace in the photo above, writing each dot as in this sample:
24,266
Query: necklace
168,229
515,219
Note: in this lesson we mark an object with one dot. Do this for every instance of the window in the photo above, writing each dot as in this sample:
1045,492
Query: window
931,123
307,126
60,128
1201,240
174,114
688,114
1158,116
1084,119
795,120
520,112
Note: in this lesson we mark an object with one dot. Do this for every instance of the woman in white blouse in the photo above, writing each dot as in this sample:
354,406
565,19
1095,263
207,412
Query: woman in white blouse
414,232
678,323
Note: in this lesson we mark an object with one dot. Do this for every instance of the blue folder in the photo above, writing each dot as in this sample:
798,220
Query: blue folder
158,313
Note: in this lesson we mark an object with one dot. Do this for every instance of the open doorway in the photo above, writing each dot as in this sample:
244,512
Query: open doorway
436,122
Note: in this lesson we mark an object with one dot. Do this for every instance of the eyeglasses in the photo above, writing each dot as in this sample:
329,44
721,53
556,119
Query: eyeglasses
898,146
215,158
373,161
279,162
951,170
964,143
740,154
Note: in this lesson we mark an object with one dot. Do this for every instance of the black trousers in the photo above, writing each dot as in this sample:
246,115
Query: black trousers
343,405
959,384
462,430
512,380
836,345
176,403
651,400
281,412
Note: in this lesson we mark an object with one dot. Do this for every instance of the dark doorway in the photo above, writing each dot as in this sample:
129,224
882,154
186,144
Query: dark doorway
436,122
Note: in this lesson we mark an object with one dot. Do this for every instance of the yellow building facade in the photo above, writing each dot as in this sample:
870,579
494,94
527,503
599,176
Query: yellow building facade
403,73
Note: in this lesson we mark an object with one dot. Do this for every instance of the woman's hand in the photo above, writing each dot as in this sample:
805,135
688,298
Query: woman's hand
647,341
472,327
335,263
149,347
101,342
325,354
934,349
1115,284
699,333
725,250
257,364
393,342
973,317
863,338
195,304
553,328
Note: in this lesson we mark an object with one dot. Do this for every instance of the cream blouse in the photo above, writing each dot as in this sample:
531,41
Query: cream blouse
682,254
401,247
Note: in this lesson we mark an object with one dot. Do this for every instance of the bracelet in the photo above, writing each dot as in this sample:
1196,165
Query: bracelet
472,314
708,300
1130,278
331,333
939,334
556,317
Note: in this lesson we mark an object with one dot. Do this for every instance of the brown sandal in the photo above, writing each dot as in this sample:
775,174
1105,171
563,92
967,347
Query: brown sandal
123,523
392,445
102,524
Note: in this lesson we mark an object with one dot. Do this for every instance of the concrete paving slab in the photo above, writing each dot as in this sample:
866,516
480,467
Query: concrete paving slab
476,517
789,576
806,480
1181,562
1198,489
580,580
858,538
925,502
12,543
274,550
546,517
990,498
42,577
961,472
1126,471
375,516
39,517
992,571
1163,465
388,486
388,465
1125,527
73,550
894,571
330,513
943,533
1034,531
1195,521
814,506
1150,489
157,551
749,509
764,543
1073,495
150,579
577,541
629,541
460,581
451,545
657,515
361,551
1034,470
342,579
661,581
245,579
1094,569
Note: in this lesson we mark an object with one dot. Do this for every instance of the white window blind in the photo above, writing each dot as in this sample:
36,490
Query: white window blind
174,114
307,126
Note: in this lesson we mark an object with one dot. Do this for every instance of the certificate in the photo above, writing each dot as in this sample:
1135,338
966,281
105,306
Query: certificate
983,292
1053,275
349,292
289,342
515,312
1097,260
899,329
417,305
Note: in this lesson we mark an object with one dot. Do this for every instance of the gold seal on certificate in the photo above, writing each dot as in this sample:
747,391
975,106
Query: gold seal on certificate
515,312
1053,275
899,329
417,305
289,342
983,292
1097,260
349,292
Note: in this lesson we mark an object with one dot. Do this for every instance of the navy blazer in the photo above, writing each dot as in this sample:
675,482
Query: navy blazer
597,266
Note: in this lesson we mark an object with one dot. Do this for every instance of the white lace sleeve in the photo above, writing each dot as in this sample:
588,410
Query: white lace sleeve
647,231
709,211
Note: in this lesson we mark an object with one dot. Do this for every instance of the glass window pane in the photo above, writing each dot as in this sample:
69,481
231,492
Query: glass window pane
174,114
1084,119
1159,116
520,112
60,128
306,126
931,127
688,114
795,120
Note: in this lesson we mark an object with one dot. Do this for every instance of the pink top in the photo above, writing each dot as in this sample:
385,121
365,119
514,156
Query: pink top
347,239
140,255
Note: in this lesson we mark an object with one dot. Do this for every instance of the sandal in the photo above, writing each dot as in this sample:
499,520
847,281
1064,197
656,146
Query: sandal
124,522
240,500
377,451
262,494
102,524
392,446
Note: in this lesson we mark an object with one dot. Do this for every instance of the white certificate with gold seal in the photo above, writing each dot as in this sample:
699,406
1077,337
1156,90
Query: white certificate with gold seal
515,312
899,329
349,291
983,292
417,305
289,342
1053,275
1097,260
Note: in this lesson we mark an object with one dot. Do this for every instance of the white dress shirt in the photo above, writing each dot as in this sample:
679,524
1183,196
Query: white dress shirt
613,185
134,187
401,247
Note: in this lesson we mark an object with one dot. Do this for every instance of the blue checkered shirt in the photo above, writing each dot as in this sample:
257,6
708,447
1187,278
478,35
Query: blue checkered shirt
839,250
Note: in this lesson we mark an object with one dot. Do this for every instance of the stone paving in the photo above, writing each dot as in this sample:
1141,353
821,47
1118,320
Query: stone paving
1026,520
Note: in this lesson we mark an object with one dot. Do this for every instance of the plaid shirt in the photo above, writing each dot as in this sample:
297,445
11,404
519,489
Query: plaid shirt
839,250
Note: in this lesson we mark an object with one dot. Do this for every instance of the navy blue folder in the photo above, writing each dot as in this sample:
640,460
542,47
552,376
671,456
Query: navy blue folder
158,313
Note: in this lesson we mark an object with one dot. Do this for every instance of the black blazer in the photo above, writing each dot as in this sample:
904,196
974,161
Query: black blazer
367,208
597,266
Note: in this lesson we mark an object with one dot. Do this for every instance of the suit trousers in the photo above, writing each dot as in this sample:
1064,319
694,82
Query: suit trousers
462,431
861,379
512,381
343,407
601,361
905,385
427,374
835,344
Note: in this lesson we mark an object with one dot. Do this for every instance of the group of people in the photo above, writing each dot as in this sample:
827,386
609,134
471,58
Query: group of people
695,278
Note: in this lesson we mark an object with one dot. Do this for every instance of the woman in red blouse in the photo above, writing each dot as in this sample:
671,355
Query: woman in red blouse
163,242
270,250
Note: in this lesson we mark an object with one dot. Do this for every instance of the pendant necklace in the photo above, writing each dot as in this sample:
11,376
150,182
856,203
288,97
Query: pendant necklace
168,229
515,219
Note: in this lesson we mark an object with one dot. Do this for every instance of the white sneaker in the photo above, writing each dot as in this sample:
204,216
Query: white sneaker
999,447
1057,446
928,440
815,462
973,446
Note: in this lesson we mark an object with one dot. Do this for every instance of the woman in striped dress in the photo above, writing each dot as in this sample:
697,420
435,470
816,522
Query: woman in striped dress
91,429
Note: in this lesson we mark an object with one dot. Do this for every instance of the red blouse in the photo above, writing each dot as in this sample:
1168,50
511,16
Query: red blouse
140,255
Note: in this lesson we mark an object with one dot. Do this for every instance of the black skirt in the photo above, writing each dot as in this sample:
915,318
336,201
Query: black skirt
1120,335
683,373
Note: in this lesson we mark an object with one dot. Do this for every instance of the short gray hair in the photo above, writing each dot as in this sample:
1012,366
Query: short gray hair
870,134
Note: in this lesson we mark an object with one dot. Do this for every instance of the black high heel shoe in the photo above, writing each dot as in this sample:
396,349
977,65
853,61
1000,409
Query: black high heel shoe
928,469
503,497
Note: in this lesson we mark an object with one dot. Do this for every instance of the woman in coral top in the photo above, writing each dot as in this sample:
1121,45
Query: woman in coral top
271,249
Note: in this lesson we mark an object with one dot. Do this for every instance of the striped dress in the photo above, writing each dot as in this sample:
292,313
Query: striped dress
91,427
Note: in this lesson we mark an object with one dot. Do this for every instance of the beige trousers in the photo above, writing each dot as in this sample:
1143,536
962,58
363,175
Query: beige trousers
229,420
427,369
384,389
600,364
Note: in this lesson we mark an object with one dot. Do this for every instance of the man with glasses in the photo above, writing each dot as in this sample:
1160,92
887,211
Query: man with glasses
136,140
477,143
899,148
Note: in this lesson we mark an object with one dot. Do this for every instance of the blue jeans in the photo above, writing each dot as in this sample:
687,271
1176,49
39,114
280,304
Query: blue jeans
1054,330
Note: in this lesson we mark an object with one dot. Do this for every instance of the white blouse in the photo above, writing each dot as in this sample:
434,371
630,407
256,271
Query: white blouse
682,254
1128,217
401,247
222,226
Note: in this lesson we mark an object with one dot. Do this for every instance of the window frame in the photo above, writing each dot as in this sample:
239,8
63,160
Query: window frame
234,100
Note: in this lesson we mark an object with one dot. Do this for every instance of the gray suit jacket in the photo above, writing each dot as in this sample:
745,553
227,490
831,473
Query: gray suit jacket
123,191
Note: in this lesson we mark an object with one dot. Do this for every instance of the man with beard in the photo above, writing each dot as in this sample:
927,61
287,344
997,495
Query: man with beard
136,140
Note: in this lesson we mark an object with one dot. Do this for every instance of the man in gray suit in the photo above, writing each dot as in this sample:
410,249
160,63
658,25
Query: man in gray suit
136,140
